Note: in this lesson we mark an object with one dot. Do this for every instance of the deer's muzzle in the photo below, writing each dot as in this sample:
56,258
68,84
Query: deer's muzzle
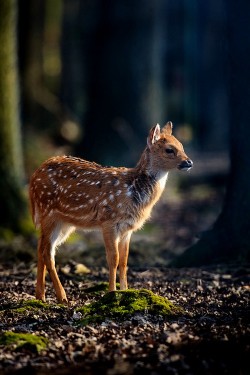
185,165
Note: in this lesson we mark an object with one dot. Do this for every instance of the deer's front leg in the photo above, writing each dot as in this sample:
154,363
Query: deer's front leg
123,259
112,254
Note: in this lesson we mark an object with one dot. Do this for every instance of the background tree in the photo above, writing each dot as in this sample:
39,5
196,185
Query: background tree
11,161
31,20
230,237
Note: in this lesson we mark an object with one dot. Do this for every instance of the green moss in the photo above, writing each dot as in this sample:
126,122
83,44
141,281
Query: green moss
26,341
100,287
121,304
31,305
35,303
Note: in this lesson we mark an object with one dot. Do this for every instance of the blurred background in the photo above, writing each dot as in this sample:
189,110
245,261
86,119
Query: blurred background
90,77
96,75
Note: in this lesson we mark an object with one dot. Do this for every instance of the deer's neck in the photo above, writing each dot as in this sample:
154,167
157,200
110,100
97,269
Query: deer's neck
146,166
149,181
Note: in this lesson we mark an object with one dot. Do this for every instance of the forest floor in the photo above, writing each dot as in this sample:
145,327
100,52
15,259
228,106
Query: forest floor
209,336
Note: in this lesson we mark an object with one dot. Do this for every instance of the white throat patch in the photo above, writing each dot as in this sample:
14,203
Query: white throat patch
162,180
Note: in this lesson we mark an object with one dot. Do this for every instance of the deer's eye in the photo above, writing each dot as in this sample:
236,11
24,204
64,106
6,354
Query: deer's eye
169,151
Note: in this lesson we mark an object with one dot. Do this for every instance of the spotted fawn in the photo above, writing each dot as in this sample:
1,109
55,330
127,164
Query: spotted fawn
68,193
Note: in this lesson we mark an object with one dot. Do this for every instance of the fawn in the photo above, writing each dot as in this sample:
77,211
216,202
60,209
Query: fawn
68,193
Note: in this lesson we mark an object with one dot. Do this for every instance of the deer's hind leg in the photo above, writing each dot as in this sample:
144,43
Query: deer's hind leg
41,269
47,248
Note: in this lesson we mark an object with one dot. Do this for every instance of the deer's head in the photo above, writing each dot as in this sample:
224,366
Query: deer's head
166,152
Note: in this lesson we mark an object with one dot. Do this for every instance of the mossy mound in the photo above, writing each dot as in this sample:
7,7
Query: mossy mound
124,303
26,341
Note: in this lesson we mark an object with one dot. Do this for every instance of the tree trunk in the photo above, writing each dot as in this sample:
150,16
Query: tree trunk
230,237
11,163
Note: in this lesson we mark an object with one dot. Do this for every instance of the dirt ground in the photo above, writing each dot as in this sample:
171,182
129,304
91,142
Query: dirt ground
211,336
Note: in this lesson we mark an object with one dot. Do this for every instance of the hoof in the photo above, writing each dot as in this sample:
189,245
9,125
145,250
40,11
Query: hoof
41,297
63,301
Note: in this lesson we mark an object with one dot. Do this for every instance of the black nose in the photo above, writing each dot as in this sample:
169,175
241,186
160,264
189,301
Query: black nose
185,165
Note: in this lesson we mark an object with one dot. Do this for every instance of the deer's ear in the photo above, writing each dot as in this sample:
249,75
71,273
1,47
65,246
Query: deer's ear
154,135
167,129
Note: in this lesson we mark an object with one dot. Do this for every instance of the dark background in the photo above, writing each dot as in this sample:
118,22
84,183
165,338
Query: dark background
96,75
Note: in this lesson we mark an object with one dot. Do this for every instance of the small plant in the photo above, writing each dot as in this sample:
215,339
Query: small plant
123,303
